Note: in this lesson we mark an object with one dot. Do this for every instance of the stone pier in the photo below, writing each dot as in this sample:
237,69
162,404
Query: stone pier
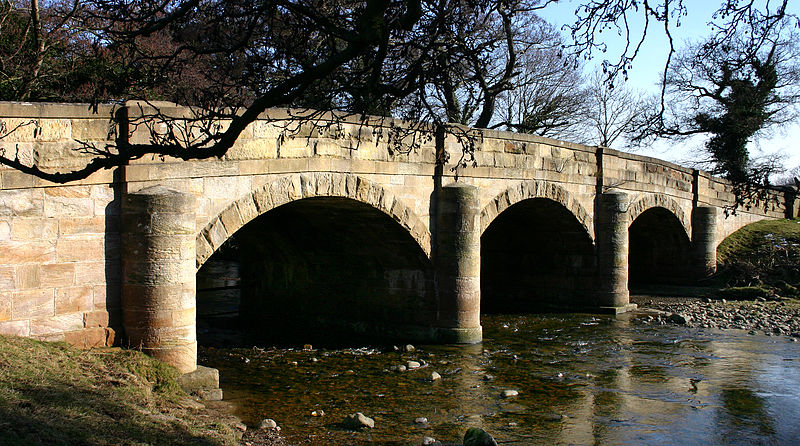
704,241
612,251
158,275
458,264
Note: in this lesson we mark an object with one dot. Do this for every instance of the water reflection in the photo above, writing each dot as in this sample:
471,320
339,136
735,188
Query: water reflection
581,379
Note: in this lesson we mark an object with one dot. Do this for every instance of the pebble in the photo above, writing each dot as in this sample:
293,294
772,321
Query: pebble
430,441
488,377
408,348
318,413
411,365
754,317
421,420
357,421
435,376
509,393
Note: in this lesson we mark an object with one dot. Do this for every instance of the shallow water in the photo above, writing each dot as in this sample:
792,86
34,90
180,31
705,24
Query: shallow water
581,379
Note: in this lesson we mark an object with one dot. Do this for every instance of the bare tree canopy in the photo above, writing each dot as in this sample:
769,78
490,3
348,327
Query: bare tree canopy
486,63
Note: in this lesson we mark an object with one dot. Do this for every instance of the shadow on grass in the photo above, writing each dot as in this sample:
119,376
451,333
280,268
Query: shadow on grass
63,415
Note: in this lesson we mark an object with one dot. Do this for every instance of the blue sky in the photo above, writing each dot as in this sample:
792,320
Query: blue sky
648,68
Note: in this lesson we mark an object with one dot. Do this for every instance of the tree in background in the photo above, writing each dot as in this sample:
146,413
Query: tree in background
430,61
612,112
548,96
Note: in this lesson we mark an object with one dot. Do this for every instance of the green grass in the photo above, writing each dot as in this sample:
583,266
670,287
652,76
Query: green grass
762,253
54,394
750,239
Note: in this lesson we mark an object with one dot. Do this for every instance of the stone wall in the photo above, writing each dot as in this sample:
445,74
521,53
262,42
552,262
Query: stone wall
59,245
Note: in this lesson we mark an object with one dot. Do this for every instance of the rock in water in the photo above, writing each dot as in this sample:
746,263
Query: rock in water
268,423
409,348
357,421
413,365
430,441
478,437
435,376
509,393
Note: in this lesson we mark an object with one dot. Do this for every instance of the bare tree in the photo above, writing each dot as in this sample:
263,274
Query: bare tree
612,111
548,97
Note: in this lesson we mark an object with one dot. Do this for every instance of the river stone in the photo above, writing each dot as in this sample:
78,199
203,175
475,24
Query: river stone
421,420
430,441
268,423
357,421
412,365
488,377
435,376
478,437
409,348
677,318
509,393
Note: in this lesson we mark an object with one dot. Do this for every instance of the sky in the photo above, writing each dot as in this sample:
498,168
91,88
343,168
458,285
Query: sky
648,69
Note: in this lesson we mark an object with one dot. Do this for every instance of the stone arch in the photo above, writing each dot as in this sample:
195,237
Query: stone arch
536,189
294,187
659,200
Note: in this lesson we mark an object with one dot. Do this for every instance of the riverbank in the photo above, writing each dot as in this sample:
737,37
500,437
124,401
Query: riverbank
54,394
779,317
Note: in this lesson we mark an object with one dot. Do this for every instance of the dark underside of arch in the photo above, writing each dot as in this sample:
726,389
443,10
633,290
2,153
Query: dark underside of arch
659,250
536,256
320,266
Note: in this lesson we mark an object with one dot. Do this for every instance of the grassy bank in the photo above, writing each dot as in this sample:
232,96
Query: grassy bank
54,394
763,255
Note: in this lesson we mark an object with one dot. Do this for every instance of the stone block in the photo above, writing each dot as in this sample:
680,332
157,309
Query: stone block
32,303
85,225
20,203
97,129
87,338
80,249
15,328
74,299
7,282
28,276
14,179
94,319
5,309
17,253
5,230
202,378
59,207
33,229
216,234
91,272
231,219
56,324
247,209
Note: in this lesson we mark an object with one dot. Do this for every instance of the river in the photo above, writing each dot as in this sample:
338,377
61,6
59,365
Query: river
582,379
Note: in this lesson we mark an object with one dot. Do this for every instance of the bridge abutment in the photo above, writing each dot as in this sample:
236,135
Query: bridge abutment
704,241
612,250
158,275
458,264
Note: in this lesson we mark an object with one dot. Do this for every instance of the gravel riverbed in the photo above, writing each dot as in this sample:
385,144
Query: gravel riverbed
772,318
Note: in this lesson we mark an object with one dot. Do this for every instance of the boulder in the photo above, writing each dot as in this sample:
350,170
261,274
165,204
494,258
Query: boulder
478,437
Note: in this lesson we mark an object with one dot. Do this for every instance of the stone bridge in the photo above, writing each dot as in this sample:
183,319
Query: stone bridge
335,226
